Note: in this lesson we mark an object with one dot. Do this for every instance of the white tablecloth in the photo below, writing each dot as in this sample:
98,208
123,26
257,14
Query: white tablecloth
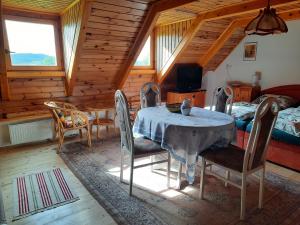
185,136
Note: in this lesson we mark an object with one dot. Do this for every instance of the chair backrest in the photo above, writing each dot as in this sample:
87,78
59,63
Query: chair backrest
264,121
222,100
150,95
123,116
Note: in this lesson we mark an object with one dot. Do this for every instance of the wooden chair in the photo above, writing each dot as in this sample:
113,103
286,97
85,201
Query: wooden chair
138,147
244,162
67,118
98,122
150,95
222,100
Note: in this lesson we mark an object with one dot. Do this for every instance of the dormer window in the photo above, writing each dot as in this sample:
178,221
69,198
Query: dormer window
32,44
144,60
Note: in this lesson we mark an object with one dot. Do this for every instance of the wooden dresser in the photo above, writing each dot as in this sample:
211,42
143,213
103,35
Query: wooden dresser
245,93
197,97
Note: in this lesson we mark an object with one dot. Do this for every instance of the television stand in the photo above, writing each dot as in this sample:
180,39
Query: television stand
197,97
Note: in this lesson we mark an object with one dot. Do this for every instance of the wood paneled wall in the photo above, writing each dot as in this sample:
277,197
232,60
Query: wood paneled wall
28,88
110,31
69,24
167,39
133,85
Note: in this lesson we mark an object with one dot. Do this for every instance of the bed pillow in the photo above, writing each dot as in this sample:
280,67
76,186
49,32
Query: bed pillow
243,110
283,100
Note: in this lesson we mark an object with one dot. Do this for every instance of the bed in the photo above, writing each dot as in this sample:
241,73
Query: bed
284,147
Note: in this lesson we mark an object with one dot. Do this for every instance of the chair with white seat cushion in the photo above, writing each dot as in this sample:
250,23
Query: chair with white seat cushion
150,95
222,100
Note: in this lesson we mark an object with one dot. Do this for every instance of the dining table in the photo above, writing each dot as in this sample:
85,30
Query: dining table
185,136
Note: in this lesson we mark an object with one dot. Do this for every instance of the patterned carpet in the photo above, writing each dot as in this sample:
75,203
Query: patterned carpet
98,170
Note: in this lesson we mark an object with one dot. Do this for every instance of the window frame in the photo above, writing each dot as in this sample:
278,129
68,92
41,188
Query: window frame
37,20
151,66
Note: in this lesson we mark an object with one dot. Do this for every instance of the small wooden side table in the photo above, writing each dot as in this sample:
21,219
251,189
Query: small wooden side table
106,121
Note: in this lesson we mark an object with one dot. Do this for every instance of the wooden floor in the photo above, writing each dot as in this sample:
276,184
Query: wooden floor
34,158
31,159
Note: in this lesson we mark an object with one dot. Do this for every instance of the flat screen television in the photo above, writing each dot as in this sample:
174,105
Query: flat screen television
189,77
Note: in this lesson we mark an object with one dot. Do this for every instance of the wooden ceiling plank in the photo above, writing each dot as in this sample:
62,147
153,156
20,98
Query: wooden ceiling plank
148,26
218,44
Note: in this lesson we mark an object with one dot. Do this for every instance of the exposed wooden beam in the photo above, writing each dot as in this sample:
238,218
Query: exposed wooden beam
233,10
244,8
148,25
3,76
293,14
218,44
85,9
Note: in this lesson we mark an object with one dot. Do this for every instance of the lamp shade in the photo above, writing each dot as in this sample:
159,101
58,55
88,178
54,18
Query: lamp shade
267,22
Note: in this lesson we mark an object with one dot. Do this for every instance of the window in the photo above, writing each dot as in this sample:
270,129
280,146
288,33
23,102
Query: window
32,44
145,57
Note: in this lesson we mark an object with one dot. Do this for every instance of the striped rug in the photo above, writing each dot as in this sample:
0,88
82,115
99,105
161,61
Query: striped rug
39,192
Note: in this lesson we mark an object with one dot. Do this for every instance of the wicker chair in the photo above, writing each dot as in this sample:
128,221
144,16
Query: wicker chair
222,100
138,147
67,117
244,162
150,95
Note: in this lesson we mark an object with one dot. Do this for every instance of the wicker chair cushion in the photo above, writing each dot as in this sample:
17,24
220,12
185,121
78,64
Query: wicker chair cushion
144,146
231,157
67,121
221,101
150,98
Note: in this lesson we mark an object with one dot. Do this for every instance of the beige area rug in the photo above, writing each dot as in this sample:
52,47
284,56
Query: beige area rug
98,169
39,192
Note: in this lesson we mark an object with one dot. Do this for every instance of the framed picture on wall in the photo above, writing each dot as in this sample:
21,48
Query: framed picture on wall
250,51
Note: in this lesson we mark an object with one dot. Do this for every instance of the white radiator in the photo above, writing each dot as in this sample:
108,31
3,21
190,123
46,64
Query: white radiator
30,131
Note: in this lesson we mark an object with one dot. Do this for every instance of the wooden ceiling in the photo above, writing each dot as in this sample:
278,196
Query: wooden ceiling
191,10
49,6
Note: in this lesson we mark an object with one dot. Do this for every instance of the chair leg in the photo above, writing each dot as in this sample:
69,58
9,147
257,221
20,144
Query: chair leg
80,133
202,178
88,134
227,177
131,175
122,165
261,188
61,141
98,132
179,176
168,169
243,197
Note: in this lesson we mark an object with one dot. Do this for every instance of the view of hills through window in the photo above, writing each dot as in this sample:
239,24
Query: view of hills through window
31,44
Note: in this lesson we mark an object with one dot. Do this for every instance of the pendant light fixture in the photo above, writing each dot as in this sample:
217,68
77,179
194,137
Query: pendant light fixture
267,22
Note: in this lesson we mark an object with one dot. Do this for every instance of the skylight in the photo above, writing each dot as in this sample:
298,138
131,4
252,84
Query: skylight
31,44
